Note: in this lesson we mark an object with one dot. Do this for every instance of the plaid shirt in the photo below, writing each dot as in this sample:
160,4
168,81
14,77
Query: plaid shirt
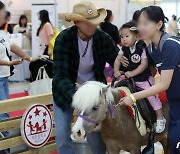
66,63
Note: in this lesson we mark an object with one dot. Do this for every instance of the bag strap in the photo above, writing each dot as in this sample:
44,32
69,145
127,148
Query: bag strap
40,71
163,39
45,75
39,74
7,53
161,43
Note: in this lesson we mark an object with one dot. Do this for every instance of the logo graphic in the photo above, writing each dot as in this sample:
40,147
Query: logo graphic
36,125
90,12
135,58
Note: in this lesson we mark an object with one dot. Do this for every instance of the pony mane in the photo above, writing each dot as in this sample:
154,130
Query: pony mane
89,94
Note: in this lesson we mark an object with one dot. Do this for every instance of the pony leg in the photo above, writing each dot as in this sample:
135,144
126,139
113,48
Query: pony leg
136,152
166,145
112,151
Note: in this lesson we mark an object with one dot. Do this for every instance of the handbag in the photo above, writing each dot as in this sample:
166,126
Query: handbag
42,84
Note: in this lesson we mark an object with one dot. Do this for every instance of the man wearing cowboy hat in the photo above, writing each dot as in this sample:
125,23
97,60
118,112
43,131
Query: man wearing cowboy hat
80,55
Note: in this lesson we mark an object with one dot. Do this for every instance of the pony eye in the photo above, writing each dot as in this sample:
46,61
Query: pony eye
95,108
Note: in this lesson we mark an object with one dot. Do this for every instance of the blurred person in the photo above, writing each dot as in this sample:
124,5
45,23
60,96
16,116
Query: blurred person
25,30
80,55
109,28
136,15
135,50
6,64
172,27
7,27
45,32
151,25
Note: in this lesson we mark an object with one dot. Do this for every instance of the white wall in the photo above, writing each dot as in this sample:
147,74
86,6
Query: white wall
119,7
65,6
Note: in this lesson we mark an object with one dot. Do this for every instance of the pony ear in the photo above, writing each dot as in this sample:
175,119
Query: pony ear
77,85
105,89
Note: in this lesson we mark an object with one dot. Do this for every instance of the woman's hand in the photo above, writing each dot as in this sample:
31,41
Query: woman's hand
32,59
15,62
126,101
35,59
124,61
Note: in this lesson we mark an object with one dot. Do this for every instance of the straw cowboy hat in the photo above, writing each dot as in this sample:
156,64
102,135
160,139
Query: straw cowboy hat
86,11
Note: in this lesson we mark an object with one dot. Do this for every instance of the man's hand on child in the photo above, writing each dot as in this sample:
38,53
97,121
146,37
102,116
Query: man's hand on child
124,61
129,74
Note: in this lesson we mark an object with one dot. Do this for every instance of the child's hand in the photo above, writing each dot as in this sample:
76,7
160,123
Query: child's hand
117,74
129,74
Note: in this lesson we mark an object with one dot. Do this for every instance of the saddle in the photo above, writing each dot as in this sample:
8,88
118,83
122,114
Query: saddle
143,105
145,109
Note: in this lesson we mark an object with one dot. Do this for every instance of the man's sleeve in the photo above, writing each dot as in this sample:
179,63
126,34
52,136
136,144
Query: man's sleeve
112,51
170,55
61,67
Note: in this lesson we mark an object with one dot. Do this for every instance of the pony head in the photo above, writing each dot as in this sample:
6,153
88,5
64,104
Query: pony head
92,100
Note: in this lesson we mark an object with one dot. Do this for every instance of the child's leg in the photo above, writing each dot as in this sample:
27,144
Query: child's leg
157,106
154,100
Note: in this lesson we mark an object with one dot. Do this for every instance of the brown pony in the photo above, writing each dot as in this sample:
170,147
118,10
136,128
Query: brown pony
94,101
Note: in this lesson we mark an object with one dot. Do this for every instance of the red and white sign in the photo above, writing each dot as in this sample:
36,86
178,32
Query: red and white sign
36,125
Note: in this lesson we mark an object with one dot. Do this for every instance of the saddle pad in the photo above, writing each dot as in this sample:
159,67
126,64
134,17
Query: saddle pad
162,97
141,126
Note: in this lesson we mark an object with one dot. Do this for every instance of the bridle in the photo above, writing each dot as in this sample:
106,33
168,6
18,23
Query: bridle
96,122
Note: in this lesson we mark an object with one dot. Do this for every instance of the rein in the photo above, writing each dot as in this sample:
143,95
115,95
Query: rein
111,109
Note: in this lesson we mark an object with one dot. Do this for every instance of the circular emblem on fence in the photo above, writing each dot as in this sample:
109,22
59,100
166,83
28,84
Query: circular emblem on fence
135,58
36,125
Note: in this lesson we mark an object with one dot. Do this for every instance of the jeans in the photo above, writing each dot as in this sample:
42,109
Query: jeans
63,132
174,127
4,94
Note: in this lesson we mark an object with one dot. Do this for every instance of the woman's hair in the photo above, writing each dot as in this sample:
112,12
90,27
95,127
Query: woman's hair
109,15
23,17
174,17
155,14
8,14
44,18
131,25
136,15
1,5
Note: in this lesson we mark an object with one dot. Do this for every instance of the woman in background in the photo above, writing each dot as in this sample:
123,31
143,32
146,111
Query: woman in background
25,29
6,26
172,26
45,32
6,46
109,28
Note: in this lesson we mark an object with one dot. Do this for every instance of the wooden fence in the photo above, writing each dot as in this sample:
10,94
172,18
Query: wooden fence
14,123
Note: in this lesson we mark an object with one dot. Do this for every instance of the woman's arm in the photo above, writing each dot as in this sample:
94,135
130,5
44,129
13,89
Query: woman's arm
18,51
165,80
10,63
